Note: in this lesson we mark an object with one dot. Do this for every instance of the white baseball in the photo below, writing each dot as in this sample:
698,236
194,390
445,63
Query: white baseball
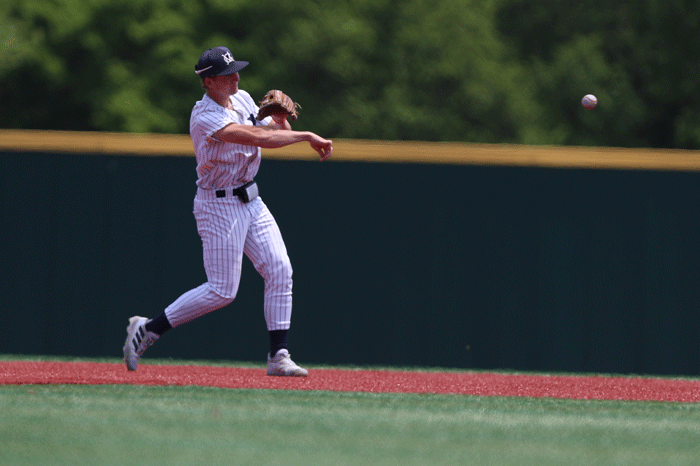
589,101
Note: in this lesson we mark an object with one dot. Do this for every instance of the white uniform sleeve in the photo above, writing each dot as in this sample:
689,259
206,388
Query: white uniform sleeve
209,122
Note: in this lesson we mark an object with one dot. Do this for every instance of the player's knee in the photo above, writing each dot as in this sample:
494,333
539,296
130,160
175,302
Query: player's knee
224,283
223,294
226,300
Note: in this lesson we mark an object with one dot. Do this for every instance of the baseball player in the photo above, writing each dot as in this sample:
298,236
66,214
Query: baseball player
232,219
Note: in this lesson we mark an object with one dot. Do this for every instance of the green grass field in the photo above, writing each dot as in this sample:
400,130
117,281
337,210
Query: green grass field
122,424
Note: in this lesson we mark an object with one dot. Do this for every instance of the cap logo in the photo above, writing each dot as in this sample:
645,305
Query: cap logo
228,58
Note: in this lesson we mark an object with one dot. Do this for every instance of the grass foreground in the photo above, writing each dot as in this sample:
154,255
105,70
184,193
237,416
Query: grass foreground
154,425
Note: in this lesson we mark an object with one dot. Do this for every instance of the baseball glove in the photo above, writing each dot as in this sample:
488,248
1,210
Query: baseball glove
278,103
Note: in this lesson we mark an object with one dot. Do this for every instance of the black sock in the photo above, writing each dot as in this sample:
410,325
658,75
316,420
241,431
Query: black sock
159,325
278,341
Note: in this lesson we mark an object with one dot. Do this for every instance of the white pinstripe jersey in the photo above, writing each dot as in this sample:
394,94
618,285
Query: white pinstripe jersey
221,164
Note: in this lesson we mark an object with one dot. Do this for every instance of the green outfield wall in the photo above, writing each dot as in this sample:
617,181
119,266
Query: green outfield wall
486,257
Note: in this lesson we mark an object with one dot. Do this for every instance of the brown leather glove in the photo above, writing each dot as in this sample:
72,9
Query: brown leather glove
278,103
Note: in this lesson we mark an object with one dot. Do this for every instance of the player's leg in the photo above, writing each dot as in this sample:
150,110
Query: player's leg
222,227
265,248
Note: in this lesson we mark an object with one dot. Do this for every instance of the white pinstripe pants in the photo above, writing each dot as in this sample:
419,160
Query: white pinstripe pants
230,228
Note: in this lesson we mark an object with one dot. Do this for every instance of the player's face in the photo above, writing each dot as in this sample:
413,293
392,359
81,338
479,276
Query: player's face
227,84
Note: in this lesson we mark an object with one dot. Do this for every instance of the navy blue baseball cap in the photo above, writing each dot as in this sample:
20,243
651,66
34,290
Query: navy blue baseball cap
218,62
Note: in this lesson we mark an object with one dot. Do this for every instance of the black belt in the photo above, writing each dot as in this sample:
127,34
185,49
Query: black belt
234,193
241,192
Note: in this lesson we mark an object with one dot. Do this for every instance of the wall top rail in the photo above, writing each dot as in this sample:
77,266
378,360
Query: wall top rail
365,151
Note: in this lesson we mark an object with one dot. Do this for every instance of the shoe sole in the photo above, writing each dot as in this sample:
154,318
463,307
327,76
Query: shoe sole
131,359
297,373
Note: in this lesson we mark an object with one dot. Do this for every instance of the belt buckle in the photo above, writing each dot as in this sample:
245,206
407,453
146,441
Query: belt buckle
249,191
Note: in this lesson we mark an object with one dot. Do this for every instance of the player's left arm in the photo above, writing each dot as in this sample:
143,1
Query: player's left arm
269,138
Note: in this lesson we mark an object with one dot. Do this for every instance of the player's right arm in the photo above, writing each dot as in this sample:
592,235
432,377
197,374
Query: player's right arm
272,138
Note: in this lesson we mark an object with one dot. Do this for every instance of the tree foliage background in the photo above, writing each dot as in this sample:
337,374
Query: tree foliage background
510,71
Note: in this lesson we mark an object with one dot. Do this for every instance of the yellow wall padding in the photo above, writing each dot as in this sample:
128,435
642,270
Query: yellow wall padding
366,151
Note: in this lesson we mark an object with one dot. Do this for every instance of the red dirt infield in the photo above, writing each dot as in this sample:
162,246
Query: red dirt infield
371,381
